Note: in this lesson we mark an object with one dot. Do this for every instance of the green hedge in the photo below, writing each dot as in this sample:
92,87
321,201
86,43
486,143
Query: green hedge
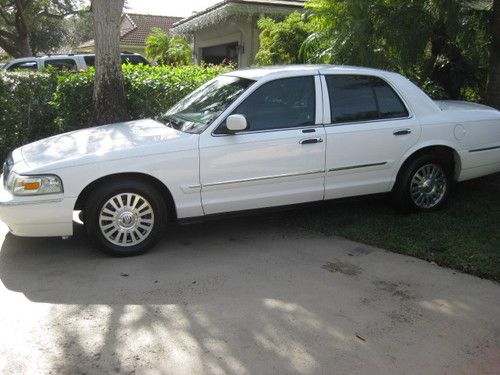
34,105
25,112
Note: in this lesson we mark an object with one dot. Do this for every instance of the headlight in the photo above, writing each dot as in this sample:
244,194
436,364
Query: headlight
33,185
7,166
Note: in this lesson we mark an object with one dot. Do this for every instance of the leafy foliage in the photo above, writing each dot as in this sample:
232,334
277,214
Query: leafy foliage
281,41
78,29
165,50
35,105
31,26
435,42
24,110
440,44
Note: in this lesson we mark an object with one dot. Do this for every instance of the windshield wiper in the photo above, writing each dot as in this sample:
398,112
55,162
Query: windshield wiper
169,121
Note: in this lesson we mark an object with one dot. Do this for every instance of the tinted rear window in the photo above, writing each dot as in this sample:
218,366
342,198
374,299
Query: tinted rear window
361,98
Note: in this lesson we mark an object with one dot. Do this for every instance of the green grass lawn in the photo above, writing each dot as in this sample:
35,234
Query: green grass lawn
465,235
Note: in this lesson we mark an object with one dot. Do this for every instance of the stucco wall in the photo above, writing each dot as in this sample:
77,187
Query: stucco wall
241,30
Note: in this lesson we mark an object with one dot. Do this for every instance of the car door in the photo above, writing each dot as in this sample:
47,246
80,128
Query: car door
368,130
278,160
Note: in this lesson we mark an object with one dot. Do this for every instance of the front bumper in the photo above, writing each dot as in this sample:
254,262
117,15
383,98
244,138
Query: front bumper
37,216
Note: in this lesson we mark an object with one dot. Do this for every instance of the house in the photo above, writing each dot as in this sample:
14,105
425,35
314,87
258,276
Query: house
134,29
227,31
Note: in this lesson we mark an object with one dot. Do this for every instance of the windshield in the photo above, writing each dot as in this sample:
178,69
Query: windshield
195,112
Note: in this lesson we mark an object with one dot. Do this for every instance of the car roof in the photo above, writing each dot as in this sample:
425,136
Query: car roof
300,69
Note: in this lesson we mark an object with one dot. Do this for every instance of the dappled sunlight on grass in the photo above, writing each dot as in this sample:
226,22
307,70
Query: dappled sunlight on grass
464,235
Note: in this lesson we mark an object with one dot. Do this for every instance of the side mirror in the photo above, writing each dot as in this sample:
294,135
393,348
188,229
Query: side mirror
236,123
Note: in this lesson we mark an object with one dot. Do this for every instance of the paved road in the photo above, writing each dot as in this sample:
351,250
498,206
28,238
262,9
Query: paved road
245,296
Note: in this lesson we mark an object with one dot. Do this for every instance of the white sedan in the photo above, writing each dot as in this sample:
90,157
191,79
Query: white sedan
245,140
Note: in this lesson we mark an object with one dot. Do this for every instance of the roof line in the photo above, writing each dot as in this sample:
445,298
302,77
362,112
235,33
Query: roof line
150,15
127,32
226,2
131,21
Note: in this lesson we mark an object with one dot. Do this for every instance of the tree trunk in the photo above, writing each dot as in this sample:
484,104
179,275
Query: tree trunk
109,104
493,84
18,48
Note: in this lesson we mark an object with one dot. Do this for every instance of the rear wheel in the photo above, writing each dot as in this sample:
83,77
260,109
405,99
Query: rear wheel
424,184
125,218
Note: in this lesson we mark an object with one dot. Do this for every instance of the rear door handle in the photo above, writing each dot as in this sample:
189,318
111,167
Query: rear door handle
308,141
402,132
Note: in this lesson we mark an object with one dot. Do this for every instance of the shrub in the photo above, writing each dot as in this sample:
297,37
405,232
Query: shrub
165,50
153,90
34,105
25,110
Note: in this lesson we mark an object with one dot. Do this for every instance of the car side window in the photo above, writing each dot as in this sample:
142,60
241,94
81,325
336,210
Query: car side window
362,98
67,65
133,59
282,103
25,65
389,103
89,60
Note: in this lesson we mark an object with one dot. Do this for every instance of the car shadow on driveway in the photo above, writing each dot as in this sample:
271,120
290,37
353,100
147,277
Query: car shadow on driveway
245,295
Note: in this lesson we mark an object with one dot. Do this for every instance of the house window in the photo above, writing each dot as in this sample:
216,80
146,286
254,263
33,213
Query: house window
221,54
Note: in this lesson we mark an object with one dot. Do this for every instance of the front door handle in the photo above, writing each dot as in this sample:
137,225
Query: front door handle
402,132
308,141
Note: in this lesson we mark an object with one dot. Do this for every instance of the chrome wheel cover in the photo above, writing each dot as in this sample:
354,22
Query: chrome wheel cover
428,186
126,219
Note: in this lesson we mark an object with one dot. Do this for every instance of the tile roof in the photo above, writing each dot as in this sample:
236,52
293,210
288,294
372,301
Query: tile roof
142,25
135,28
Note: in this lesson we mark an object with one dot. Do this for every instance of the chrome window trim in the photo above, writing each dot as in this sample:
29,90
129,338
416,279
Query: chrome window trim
367,121
303,127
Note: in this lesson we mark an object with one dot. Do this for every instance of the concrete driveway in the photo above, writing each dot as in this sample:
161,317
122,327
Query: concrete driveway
245,296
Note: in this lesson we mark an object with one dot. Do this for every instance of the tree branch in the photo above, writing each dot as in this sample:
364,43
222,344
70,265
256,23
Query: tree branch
46,13
8,35
6,19
20,19
8,47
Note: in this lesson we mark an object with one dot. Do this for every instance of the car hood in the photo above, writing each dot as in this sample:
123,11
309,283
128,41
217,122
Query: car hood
108,142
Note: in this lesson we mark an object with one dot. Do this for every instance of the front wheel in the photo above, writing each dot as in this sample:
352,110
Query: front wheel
425,184
125,218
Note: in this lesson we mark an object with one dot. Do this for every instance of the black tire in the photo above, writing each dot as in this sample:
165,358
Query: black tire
124,191
411,193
